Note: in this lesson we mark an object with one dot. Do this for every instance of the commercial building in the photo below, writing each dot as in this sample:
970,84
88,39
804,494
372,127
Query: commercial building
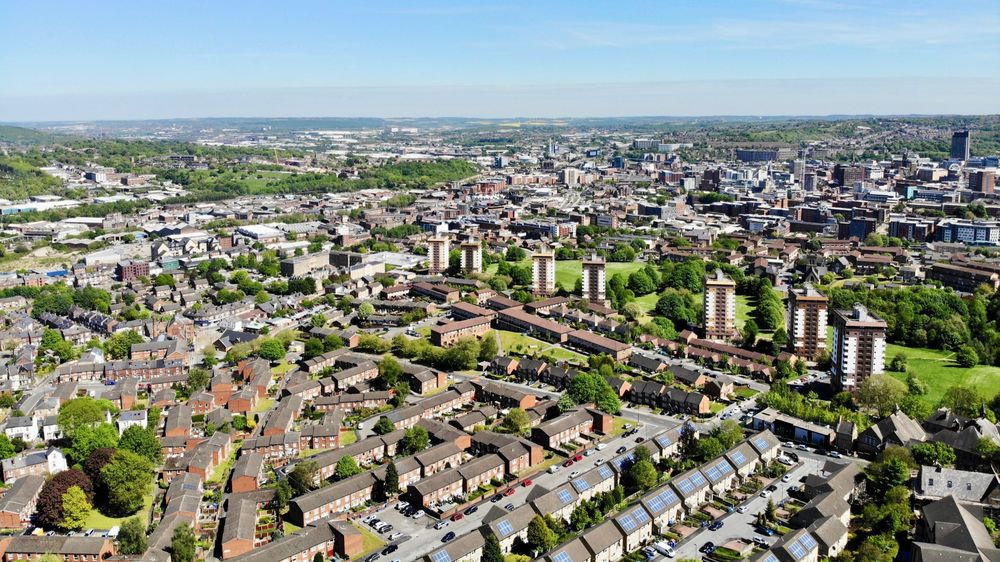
720,307
960,141
969,231
594,280
983,181
858,347
437,255
543,271
807,319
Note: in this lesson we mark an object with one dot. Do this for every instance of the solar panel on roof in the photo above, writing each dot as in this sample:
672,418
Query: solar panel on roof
581,484
505,528
562,557
796,550
564,496
627,522
760,442
604,471
668,496
441,556
698,479
640,515
686,486
770,558
664,441
656,503
739,457
808,541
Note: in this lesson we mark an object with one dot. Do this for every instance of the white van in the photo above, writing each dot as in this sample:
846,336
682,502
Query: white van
554,469
665,549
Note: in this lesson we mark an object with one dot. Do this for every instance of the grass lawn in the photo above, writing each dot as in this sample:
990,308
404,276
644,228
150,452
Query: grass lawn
264,405
283,368
508,341
348,437
371,542
97,520
568,271
221,471
716,407
563,354
289,528
743,309
424,331
940,372
543,466
647,303
618,425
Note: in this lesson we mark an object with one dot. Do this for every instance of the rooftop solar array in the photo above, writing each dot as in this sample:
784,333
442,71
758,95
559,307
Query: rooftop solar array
505,528
664,440
770,558
698,479
564,496
760,442
808,541
661,501
441,556
719,470
604,471
738,457
562,557
581,484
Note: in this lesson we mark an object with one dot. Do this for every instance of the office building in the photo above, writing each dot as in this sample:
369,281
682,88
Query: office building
807,310
983,181
437,255
594,282
720,306
858,347
472,256
543,271
969,231
960,145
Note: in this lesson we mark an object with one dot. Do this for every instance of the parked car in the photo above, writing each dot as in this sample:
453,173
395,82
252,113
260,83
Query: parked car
578,458
766,494
389,549
497,498
449,536
471,510
772,488
786,478
509,507
394,536
640,439
373,557
402,505
621,450
835,455
526,483
418,514
568,463
802,447
457,517
707,548
602,446
742,509
715,526
759,542
441,524
574,474
509,492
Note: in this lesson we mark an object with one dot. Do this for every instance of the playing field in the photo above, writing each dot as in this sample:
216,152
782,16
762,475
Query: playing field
940,372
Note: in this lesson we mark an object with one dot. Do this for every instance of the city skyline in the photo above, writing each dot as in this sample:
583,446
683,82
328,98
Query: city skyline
790,57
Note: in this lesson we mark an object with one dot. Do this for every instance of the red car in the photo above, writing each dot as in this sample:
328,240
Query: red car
578,458
510,492
457,517
526,483
568,463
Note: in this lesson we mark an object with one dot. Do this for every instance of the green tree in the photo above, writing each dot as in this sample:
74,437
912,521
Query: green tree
76,509
491,550
392,479
881,393
389,372
750,332
898,363
488,347
132,537
565,403
126,479
272,350
182,544
119,345
365,310
346,467
79,412
303,477
142,441
383,426
86,439
197,379
933,454
516,421
967,357
963,400
283,494
641,475
7,449
415,439
540,537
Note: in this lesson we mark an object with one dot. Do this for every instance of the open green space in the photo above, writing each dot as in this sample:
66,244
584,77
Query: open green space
348,437
222,471
283,368
940,372
97,520
519,343
263,405
370,543
568,271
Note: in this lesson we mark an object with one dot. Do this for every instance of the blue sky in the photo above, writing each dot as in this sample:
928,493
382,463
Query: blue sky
136,59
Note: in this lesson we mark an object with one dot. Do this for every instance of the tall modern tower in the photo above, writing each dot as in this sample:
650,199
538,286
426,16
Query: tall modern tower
720,307
807,309
543,271
858,347
437,255
472,256
960,145
594,280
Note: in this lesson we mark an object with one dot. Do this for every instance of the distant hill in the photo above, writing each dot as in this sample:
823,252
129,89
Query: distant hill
22,136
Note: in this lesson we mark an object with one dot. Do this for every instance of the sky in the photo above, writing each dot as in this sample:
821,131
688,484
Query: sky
112,59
